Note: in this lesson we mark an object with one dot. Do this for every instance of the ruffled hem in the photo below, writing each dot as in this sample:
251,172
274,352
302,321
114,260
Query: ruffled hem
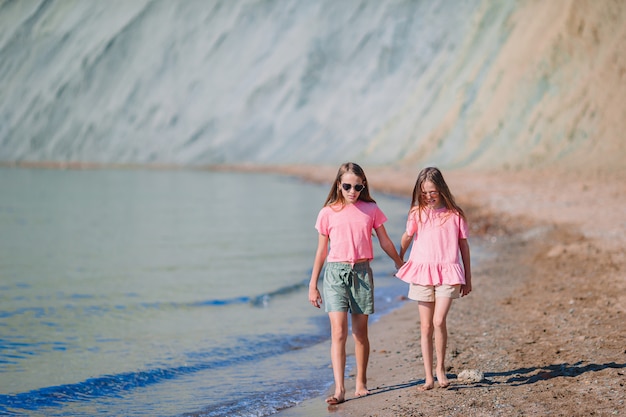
431,273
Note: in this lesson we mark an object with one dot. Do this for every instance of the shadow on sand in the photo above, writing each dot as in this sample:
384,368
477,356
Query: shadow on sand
516,377
531,375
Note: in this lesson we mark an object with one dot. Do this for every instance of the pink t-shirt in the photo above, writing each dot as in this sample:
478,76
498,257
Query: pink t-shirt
435,257
350,230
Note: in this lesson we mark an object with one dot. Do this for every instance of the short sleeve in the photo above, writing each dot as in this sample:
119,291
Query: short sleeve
379,218
463,228
321,224
411,224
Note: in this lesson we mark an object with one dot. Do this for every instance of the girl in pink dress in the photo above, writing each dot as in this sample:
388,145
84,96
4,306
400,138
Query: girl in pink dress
438,229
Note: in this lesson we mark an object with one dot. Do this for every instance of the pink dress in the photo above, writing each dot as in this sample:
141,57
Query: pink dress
435,256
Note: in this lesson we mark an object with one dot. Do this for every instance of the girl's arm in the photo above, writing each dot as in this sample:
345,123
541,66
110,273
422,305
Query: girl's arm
404,243
315,297
465,255
387,245
406,239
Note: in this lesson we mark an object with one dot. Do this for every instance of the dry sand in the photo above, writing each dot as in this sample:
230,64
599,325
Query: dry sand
545,322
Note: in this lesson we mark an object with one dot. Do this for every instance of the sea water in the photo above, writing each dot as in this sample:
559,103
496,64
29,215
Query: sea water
164,293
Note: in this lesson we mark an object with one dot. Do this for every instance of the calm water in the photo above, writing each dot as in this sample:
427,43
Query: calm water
163,293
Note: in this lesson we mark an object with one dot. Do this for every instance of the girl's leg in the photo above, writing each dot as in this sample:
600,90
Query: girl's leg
339,335
427,310
362,352
442,307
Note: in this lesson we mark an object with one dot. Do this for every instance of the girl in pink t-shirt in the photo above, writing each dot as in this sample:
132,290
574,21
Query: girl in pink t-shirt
345,223
438,229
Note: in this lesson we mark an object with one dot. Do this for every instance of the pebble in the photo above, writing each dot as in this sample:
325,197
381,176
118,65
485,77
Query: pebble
471,375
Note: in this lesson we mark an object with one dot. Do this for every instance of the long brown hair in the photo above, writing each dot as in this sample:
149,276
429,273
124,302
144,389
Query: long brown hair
435,176
335,196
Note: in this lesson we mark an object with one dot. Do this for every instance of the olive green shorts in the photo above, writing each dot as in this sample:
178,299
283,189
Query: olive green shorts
349,288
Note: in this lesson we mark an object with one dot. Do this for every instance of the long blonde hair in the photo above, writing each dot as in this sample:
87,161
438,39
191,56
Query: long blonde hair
435,176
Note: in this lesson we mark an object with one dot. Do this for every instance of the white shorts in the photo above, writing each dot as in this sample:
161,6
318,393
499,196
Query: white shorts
428,293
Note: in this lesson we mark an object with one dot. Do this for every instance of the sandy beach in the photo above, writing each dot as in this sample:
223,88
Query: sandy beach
545,323
527,99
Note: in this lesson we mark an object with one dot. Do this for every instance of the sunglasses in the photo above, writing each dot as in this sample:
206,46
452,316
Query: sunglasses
357,187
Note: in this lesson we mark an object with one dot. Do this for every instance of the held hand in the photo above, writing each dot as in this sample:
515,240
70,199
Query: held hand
314,297
399,261
466,289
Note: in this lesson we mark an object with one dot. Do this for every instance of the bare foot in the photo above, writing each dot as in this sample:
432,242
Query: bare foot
442,380
334,400
361,392
426,386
